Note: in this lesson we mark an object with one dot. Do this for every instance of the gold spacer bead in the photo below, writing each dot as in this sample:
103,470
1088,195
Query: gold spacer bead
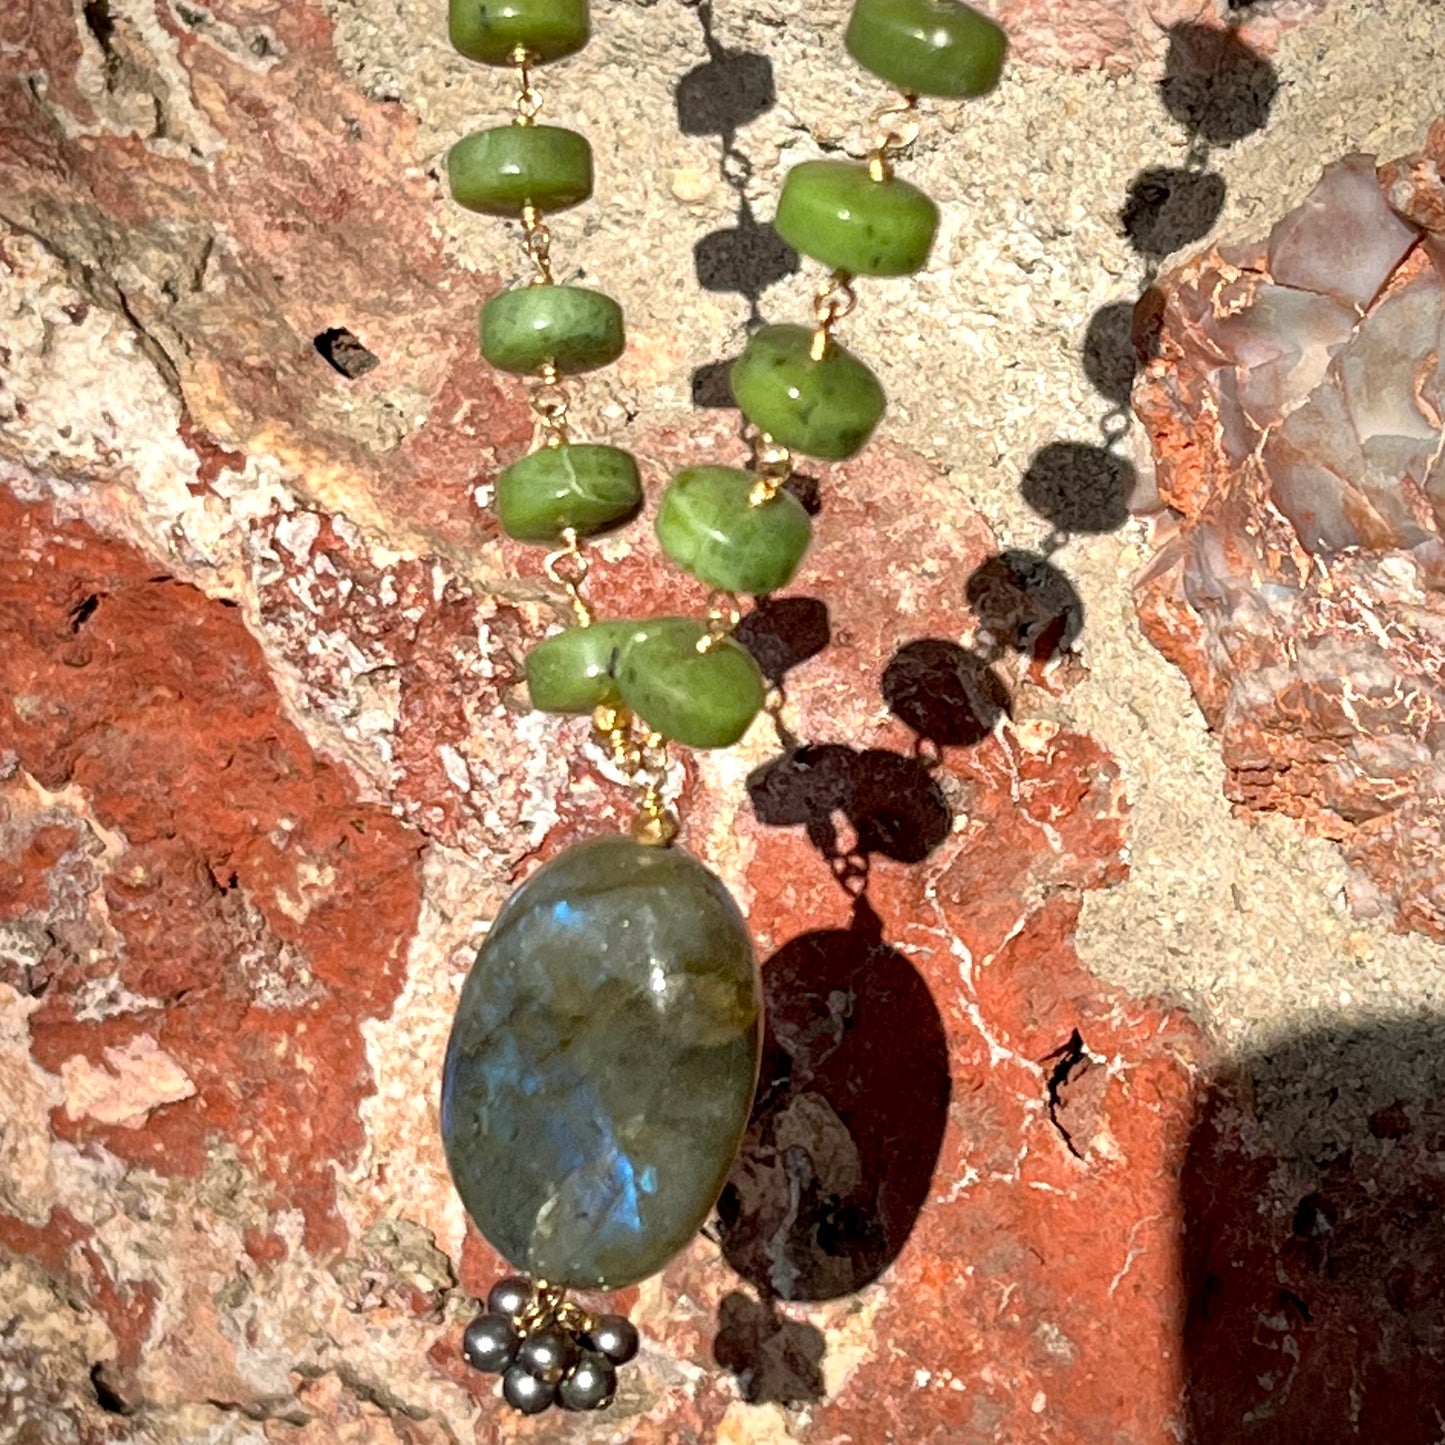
654,830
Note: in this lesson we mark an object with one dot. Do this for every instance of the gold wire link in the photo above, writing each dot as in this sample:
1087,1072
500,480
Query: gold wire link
892,128
538,240
836,299
641,756
568,568
550,403
723,614
527,105
774,465
549,1305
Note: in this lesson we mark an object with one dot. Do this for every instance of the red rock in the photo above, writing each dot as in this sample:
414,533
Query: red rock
1301,580
262,909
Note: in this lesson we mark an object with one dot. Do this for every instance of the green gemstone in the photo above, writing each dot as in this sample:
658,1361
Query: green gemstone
708,527
572,672
927,47
501,171
701,699
824,408
584,486
573,328
602,1063
491,30
835,212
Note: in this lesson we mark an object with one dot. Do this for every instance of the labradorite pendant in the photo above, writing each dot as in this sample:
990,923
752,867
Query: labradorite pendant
602,1063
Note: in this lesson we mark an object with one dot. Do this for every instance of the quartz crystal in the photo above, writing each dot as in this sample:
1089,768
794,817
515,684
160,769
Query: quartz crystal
602,1063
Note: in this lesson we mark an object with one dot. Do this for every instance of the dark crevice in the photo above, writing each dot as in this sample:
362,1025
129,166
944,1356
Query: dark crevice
106,1395
82,612
1067,1060
343,351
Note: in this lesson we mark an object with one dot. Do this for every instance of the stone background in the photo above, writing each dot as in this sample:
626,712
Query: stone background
1104,1120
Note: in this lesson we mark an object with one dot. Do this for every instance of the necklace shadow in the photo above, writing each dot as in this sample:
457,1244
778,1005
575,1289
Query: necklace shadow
855,1085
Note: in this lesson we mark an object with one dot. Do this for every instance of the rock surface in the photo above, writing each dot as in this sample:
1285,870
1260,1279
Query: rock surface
1297,407
266,769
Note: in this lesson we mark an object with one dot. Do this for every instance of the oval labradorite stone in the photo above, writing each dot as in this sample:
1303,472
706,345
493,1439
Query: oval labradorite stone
927,47
491,30
583,485
602,1063
572,327
502,170
835,212
824,408
709,527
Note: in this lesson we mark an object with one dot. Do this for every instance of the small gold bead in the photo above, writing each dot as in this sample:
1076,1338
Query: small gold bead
609,719
654,830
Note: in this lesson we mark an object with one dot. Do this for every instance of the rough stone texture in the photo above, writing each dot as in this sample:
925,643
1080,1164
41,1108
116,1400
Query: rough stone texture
1295,403
256,815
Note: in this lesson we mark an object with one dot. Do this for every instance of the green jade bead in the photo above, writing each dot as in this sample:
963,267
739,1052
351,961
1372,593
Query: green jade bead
838,214
582,485
492,30
573,671
927,47
700,699
569,326
602,1063
500,172
825,408
708,526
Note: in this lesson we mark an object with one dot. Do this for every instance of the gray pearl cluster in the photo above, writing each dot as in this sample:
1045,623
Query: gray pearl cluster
543,1360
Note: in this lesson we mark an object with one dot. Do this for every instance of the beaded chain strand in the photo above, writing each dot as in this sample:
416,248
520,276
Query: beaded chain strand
575,1210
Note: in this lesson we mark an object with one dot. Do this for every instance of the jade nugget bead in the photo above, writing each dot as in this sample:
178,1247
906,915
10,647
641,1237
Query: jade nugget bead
927,47
703,699
573,671
585,486
825,408
838,214
602,1063
573,328
501,171
492,30
708,526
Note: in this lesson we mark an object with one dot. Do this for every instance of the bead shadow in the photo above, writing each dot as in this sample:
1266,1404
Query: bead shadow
1079,487
1216,85
1169,207
1025,604
1315,1306
948,695
776,1360
719,97
852,1101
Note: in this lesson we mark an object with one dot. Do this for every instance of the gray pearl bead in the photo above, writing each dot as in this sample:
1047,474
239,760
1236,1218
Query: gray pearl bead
490,1343
510,1296
614,1336
590,1386
548,1354
525,1392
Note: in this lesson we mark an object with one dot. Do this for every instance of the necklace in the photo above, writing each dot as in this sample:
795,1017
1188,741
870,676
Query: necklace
605,1051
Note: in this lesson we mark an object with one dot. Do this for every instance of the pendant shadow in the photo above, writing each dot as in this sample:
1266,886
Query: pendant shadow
852,1103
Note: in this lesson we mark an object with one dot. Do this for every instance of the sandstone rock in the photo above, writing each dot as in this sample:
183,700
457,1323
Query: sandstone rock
1296,405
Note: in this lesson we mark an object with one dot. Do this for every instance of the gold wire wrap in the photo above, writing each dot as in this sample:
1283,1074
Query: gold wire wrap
773,465
892,128
640,754
568,568
549,1305
723,614
835,300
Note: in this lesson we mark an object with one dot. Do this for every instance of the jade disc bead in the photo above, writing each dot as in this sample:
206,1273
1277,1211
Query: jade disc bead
491,30
500,171
602,1063
572,672
927,47
701,699
838,214
582,485
824,408
708,527
573,328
